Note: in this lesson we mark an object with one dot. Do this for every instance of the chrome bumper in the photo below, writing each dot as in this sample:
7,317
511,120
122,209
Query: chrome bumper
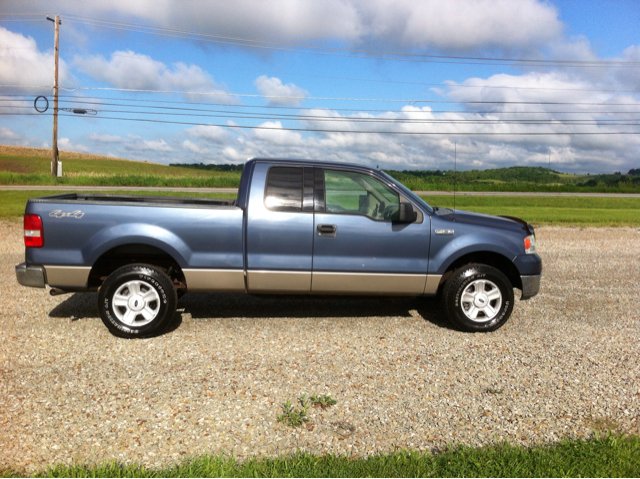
30,275
530,286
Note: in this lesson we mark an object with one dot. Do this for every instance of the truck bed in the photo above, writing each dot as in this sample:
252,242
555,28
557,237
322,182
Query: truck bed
79,198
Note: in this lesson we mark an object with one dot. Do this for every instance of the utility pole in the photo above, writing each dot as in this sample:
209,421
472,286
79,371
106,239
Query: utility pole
54,156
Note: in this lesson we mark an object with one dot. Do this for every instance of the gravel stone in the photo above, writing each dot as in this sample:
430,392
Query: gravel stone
566,364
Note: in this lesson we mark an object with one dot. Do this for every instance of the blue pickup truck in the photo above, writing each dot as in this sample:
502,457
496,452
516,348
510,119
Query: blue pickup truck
297,227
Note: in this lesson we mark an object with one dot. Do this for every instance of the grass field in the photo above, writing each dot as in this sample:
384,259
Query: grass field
550,210
605,457
537,210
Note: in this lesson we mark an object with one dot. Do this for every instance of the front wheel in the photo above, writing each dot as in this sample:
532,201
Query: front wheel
137,301
478,298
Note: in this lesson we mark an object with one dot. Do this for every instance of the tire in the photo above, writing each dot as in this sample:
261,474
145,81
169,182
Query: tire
478,298
137,301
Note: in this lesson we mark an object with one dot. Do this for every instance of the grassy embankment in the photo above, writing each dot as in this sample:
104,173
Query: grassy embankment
613,456
29,170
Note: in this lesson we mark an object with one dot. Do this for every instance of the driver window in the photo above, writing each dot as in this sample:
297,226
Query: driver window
358,194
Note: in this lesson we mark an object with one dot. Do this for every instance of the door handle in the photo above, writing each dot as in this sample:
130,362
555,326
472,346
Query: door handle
327,230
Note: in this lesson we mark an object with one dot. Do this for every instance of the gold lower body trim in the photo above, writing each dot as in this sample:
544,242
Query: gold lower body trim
214,280
67,276
297,282
369,283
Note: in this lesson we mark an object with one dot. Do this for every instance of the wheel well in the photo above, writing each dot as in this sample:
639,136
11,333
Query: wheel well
489,258
135,253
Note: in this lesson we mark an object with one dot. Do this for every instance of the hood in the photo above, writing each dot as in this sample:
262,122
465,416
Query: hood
468,217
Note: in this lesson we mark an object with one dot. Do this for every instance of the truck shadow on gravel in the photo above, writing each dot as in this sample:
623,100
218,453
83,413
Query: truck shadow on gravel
201,305
82,306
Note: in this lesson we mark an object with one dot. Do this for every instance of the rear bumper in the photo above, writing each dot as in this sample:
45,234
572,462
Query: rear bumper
530,286
33,276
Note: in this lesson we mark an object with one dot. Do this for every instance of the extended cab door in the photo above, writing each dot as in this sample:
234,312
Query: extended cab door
279,232
358,247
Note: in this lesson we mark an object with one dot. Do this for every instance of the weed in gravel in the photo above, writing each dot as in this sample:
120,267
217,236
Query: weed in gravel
323,401
292,416
494,391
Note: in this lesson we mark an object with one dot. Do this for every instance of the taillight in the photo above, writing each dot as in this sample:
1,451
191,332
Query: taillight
33,234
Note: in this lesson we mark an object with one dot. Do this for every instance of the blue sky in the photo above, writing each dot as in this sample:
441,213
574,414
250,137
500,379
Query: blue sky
427,104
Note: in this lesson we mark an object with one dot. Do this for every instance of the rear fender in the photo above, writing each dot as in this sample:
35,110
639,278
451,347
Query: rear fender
136,233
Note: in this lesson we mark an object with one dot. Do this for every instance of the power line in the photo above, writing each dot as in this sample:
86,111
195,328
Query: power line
252,43
24,20
270,107
399,121
23,14
258,116
321,130
294,97
413,112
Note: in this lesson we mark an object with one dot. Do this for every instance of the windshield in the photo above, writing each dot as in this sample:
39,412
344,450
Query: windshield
408,192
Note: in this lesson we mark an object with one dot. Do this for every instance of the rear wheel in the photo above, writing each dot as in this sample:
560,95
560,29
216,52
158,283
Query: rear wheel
137,301
478,298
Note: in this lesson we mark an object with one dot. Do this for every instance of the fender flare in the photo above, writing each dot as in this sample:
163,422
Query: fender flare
467,245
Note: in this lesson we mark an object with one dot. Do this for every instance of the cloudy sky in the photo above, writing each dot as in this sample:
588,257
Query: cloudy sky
393,83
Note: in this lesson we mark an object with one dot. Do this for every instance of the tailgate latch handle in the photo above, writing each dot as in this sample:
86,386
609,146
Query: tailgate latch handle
327,230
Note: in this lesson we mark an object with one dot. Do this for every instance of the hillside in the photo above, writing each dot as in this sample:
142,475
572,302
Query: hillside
26,151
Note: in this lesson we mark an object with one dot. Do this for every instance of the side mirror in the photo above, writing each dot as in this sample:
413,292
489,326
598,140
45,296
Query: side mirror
406,213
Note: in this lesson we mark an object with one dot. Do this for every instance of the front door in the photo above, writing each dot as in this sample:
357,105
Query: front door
359,248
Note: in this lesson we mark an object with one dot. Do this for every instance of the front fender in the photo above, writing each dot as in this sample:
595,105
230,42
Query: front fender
136,233
446,253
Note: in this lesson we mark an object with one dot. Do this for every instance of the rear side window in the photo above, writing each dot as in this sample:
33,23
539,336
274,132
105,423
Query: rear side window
284,189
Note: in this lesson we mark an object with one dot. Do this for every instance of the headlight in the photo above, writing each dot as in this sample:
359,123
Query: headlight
530,244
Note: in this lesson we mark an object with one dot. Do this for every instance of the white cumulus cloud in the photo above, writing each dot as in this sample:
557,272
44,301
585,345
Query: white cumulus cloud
441,24
210,134
280,94
273,133
135,71
67,144
24,64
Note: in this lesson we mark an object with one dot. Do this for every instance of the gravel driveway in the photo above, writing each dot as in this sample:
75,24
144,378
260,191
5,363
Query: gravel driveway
566,363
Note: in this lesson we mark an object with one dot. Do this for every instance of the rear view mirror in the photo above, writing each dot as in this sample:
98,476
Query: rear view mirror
406,214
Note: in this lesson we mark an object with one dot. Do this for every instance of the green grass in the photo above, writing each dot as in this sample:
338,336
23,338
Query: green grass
550,210
292,416
613,456
224,180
